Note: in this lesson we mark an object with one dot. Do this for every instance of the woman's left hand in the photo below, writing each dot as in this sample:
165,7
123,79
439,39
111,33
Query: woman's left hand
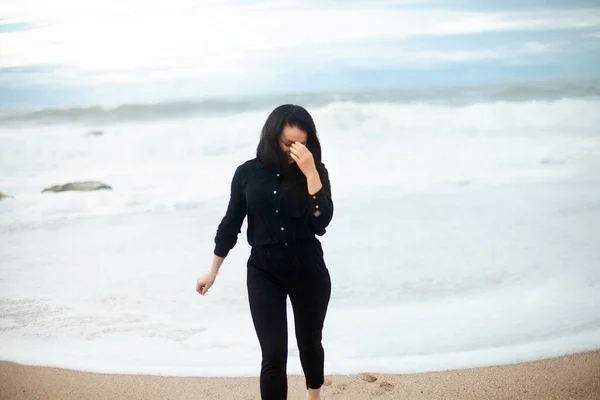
304,158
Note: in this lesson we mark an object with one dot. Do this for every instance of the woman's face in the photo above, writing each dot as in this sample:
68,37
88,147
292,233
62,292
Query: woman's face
290,135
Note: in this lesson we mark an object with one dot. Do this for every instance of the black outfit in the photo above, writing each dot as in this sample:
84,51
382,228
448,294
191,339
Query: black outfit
286,260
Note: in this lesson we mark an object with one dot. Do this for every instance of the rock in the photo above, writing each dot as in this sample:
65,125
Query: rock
82,186
4,196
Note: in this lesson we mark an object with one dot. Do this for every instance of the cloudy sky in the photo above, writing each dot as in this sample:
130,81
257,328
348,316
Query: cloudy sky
119,51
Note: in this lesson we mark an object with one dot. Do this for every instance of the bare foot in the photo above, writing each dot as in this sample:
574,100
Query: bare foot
314,394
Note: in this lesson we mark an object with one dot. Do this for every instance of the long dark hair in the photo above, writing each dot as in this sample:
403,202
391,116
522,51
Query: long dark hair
269,152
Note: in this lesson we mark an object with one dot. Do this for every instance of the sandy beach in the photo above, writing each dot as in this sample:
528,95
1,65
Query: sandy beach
569,377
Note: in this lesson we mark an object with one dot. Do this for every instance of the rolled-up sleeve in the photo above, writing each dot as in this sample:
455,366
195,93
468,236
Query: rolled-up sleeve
231,224
322,203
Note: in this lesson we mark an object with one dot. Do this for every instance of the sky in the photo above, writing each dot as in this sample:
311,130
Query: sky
114,52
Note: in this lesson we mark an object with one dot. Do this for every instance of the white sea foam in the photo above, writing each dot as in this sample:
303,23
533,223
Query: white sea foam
171,165
463,236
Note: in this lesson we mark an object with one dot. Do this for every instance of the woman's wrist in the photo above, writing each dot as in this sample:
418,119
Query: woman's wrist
215,266
313,174
314,183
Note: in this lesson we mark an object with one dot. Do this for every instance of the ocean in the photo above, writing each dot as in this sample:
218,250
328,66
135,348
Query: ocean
465,234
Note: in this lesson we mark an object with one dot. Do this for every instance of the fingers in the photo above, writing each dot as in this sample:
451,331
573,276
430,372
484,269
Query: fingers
202,288
199,288
302,149
295,152
299,152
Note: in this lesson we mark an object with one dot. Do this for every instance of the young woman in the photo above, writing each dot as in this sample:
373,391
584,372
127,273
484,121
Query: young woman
286,194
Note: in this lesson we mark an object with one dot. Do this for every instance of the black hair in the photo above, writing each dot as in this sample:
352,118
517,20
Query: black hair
268,151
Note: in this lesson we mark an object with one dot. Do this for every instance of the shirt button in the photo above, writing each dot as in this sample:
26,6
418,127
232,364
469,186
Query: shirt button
316,206
285,243
282,228
277,174
274,191
276,211
314,197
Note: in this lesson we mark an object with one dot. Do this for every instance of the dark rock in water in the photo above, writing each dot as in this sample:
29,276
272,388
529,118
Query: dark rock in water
96,133
82,186
4,196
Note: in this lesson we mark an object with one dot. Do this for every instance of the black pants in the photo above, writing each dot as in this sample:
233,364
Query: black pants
275,272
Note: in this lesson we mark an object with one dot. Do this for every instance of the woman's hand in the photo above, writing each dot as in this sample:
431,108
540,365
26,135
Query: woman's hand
205,282
304,158
306,163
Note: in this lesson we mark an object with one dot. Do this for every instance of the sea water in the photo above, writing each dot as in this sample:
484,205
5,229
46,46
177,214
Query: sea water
466,232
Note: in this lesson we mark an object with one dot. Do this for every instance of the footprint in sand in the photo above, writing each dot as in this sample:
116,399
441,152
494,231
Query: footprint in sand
387,386
340,388
368,378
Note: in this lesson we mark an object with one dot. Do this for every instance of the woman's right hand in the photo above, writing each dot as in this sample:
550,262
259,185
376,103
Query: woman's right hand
204,283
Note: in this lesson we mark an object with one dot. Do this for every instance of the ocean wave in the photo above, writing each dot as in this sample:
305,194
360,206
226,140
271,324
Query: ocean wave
390,149
443,95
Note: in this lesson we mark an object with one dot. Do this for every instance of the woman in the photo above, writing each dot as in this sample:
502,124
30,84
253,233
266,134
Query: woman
286,194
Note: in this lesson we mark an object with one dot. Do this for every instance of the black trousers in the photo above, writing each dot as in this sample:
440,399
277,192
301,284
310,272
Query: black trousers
275,272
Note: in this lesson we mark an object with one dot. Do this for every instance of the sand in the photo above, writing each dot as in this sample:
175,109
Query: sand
570,377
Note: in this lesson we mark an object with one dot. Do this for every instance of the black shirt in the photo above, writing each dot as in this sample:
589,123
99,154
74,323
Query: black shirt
279,210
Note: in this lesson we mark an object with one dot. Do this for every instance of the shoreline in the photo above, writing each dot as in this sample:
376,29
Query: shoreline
575,376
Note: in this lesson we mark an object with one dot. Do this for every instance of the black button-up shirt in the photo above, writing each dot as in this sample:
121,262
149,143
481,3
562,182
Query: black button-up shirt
279,210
